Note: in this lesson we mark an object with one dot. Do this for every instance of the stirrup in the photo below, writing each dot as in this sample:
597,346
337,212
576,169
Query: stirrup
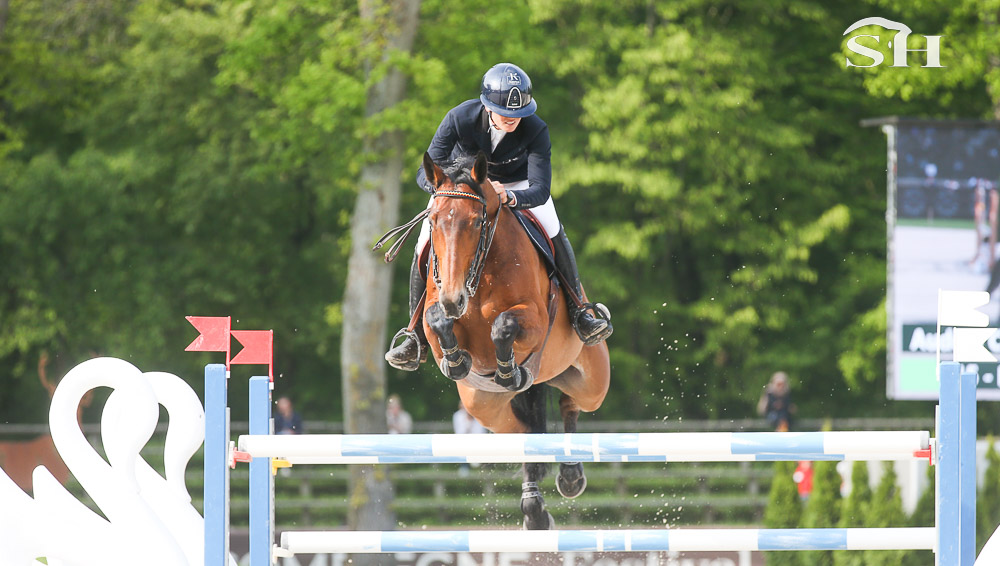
421,352
598,310
600,313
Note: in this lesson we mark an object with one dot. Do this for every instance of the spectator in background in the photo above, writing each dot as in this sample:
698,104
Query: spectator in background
775,403
464,423
286,420
396,418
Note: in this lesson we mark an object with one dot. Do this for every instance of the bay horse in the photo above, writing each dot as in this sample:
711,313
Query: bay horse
499,328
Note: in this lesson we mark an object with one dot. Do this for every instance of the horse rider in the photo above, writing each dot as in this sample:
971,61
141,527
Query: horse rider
502,123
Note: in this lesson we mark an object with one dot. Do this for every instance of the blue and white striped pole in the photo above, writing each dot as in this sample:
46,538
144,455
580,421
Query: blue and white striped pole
587,447
661,540
955,474
216,488
261,481
967,469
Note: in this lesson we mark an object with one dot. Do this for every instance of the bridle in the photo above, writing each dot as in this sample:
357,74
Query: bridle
486,231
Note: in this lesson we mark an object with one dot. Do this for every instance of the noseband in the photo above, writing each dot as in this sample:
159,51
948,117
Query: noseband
486,231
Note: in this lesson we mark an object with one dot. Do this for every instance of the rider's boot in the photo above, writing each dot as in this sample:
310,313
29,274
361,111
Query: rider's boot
408,355
591,329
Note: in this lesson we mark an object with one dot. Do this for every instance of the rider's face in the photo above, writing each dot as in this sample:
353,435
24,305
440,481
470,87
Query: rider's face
504,123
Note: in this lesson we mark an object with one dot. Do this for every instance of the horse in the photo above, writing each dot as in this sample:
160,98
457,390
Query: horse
498,326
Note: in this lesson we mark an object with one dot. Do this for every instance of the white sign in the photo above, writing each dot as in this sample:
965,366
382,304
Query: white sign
899,50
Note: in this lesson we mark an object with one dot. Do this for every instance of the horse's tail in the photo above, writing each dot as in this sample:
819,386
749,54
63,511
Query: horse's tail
529,407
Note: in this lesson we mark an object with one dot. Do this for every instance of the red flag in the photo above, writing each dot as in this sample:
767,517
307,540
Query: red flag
214,335
257,346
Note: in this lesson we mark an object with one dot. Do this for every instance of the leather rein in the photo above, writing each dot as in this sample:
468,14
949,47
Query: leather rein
486,232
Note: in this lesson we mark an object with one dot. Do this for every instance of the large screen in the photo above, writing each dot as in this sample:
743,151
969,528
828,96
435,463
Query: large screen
942,215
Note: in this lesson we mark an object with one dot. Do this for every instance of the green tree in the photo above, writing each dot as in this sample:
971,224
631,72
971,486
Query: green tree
783,510
854,512
168,158
988,497
923,516
886,510
968,84
823,508
695,128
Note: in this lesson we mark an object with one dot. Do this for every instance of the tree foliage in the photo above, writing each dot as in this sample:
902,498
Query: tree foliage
783,510
165,158
854,512
823,510
988,498
886,510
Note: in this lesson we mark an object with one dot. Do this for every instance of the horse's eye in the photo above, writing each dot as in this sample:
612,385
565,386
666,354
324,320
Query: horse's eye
477,223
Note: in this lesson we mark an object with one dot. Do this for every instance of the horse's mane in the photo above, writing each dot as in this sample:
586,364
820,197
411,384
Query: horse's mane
460,172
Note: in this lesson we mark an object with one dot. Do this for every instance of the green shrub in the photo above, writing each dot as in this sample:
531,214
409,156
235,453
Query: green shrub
855,513
988,499
783,510
823,509
886,510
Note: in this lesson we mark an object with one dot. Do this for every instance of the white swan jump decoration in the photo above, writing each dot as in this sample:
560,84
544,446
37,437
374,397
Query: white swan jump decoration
149,518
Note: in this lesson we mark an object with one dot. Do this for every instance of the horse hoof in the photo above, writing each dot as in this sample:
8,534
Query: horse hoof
457,371
536,517
570,482
547,523
521,380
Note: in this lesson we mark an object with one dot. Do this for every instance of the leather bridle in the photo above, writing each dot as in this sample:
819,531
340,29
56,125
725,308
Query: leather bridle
486,231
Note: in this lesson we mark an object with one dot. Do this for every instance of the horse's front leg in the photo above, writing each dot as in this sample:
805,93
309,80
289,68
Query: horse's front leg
514,325
455,362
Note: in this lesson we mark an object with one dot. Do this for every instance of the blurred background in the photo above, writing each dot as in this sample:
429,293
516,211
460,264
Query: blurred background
168,158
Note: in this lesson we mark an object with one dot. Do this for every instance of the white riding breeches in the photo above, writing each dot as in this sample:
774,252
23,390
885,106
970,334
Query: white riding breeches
545,213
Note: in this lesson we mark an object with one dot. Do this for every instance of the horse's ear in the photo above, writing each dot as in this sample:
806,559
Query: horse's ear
479,168
433,173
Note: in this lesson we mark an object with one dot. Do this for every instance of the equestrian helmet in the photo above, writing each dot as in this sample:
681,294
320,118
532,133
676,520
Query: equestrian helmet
507,91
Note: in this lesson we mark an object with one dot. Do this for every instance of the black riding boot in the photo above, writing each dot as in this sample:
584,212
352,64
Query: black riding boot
591,329
408,355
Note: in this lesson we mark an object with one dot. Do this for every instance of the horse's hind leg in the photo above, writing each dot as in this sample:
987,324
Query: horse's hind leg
529,407
536,516
456,363
584,386
570,482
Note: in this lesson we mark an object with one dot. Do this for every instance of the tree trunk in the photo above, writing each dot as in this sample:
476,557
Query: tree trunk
366,299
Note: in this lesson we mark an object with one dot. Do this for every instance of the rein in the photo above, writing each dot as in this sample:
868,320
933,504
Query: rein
486,232
405,229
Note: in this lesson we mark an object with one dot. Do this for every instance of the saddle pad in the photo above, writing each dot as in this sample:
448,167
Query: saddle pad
537,236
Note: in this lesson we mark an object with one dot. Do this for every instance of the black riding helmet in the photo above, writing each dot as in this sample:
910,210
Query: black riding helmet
507,91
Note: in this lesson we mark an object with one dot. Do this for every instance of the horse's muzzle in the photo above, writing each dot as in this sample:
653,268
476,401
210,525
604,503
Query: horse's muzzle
454,307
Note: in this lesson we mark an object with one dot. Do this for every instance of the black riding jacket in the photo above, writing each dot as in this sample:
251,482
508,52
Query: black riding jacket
522,154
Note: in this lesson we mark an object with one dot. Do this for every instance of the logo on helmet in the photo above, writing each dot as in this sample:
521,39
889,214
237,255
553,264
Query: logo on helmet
514,99
513,78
